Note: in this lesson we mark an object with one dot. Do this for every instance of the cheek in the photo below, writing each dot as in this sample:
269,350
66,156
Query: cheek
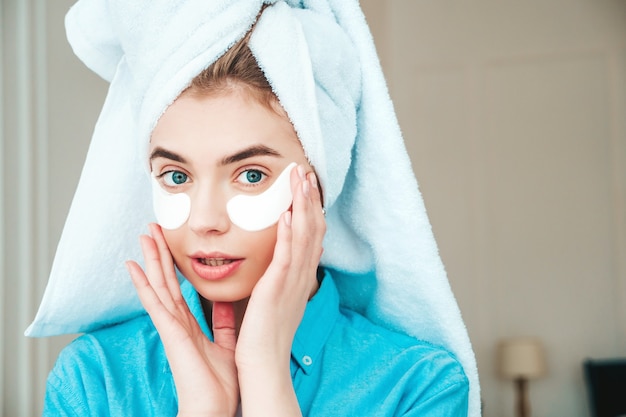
174,240
262,245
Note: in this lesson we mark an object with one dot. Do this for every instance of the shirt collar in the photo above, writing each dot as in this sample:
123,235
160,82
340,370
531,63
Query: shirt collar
195,306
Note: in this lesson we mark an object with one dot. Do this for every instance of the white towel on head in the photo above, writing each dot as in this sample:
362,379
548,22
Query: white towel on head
319,57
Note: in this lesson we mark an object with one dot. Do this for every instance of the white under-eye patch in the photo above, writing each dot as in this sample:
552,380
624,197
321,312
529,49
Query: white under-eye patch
171,210
257,212
248,212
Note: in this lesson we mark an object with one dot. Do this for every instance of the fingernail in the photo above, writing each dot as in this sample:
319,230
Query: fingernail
305,188
301,172
313,180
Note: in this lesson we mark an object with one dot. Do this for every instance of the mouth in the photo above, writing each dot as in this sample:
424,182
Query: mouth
215,266
215,261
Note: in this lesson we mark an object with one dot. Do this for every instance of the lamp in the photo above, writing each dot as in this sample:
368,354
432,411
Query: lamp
521,359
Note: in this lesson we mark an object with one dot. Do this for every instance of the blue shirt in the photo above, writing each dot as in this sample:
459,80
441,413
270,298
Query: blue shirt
341,365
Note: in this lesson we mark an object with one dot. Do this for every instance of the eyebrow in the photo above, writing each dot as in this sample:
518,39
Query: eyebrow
255,150
164,153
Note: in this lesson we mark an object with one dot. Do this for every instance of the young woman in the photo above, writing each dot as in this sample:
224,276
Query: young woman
258,325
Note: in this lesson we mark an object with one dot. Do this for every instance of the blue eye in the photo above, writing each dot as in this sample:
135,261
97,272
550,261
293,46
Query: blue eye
251,176
174,178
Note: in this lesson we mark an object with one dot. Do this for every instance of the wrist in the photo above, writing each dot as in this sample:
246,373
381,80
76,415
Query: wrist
196,411
203,414
268,392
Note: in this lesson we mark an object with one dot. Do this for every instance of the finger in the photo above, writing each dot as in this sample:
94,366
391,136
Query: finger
308,222
224,333
165,322
319,218
148,297
282,258
283,249
167,263
316,205
300,187
154,271
316,192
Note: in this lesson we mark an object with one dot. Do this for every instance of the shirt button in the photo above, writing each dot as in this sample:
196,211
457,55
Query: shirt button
307,360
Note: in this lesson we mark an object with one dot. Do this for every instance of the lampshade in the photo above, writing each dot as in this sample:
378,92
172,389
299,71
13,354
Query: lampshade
521,358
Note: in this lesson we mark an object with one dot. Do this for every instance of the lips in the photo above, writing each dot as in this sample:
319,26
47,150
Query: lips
214,266
214,261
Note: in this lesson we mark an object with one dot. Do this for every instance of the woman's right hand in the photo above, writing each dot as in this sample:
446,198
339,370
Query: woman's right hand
204,372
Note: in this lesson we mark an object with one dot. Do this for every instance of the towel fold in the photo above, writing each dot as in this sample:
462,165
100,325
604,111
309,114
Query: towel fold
320,60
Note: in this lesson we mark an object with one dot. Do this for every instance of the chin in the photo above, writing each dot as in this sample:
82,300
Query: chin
224,295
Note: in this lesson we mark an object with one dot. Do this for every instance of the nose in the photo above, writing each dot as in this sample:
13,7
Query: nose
208,213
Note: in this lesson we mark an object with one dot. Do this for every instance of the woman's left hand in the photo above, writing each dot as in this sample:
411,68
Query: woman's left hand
278,300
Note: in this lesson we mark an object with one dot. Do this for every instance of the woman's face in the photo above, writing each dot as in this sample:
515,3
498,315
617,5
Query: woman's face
212,148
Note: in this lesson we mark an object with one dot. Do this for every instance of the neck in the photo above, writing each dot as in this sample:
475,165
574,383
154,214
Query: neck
240,310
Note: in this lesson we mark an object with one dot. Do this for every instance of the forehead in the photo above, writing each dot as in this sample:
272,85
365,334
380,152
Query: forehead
223,122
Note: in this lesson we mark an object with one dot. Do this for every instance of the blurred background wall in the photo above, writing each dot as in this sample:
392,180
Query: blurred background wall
513,114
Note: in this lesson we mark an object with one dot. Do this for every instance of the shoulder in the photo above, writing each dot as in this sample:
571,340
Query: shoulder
119,340
407,373
385,344
354,341
102,369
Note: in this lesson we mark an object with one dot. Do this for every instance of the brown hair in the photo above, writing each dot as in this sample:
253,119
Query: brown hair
237,68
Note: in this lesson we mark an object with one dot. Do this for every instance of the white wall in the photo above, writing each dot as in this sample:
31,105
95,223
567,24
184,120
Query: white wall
513,115
49,105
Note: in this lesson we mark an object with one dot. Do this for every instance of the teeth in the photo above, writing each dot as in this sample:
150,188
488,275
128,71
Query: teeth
215,261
